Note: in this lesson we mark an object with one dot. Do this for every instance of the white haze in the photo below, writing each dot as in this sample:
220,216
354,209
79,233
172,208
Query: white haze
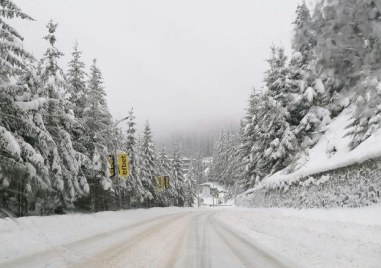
183,65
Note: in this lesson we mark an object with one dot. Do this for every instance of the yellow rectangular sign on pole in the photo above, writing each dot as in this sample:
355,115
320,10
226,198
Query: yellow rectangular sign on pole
124,165
111,165
166,182
160,182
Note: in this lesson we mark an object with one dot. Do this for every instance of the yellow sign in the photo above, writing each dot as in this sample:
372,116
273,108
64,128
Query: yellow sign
160,182
111,165
124,165
166,182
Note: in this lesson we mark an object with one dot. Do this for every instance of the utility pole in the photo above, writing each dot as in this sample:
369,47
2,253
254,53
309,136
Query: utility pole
116,162
117,173
198,190
198,196
213,194
115,154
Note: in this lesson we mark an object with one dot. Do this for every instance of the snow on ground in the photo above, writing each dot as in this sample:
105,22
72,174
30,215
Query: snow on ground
340,237
185,237
321,157
28,235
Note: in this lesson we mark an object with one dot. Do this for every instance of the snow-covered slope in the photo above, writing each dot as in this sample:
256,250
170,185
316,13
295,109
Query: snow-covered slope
331,152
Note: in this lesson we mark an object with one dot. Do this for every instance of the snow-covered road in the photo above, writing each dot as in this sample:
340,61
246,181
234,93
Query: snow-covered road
174,237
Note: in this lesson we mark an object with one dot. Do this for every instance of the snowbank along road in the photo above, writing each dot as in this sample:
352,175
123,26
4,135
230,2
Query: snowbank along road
175,237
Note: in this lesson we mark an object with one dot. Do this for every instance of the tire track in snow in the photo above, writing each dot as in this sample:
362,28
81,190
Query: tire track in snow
115,255
249,254
187,239
190,250
71,251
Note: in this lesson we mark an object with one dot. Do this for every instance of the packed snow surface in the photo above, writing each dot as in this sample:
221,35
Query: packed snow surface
194,237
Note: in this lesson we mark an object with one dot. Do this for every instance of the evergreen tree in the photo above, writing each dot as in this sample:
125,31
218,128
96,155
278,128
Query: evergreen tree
197,171
167,197
101,137
16,172
148,165
367,115
233,165
274,133
98,123
347,41
349,52
225,167
164,163
249,141
77,92
219,158
77,96
137,192
316,86
97,115
304,39
276,77
191,185
307,89
63,160
178,178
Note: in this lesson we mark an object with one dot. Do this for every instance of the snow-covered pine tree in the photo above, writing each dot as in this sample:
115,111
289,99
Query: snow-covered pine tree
267,142
367,115
232,169
367,92
19,134
349,58
178,178
77,91
77,97
195,177
100,137
304,38
226,163
191,184
167,197
137,191
148,165
63,161
276,77
249,141
347,35
97,117
220,157
99,125
307,113
274,132
300,65
164,164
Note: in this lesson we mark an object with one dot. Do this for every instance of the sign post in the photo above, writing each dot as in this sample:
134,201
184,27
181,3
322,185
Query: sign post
124,165
111,165
166,182
160,182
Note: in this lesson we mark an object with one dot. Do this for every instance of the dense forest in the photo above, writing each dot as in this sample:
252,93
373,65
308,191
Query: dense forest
335,65
56,134
56,131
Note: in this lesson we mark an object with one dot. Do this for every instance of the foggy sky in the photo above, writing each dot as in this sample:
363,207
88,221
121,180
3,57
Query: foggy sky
181,64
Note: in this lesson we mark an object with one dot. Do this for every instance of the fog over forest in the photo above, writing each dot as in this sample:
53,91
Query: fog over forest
183,75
